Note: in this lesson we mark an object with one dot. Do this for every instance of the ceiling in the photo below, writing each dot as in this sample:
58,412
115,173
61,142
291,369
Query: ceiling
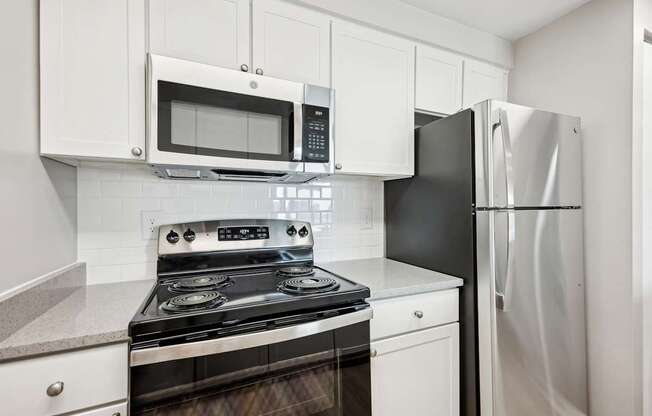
509,19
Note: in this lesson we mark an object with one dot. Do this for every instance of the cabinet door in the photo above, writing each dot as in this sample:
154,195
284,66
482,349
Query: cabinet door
113,410
214,32
483,81
291,42
92,78
373,78
438,80
417,374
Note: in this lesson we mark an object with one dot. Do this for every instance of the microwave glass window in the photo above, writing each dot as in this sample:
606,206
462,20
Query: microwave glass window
201,121
203,126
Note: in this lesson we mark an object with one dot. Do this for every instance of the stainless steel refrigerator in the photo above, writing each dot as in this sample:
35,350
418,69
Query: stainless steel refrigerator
497,201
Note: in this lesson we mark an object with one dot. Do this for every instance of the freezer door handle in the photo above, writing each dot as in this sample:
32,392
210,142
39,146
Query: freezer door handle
504,293
500,120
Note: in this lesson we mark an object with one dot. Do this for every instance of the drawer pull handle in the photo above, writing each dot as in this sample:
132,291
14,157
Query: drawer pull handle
55,389
418,314
373,352
116,414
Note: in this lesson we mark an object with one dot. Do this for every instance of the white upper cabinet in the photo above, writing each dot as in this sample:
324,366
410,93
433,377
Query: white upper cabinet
92,67
438,81
373,78
214,32
483,81
291,42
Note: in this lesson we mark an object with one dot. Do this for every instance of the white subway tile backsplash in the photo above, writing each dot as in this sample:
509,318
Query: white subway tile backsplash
112,198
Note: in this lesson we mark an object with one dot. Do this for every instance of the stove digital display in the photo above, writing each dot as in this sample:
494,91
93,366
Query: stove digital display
242,233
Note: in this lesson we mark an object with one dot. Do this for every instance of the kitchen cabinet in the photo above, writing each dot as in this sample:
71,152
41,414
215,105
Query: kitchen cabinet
373,77
417,373
415,355
214,32
291,42
287,41
438,80
483,81
66,382
92,69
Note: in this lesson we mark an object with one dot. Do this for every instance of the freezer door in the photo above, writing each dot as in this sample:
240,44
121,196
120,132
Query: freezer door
537,328
535,157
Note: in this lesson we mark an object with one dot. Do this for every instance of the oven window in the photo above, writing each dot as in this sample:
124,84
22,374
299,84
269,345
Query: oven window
322,375
207,122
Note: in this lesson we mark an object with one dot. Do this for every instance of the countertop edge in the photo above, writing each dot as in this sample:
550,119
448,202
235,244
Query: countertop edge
415,290
62,345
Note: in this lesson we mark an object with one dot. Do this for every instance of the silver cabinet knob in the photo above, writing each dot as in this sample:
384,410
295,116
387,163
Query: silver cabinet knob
373,352
418,314
136,151
55,389
338,166
259,71
244,68
116,414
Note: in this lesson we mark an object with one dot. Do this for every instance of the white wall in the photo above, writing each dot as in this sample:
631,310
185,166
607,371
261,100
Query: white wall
113,197
582,64
409,21
38,208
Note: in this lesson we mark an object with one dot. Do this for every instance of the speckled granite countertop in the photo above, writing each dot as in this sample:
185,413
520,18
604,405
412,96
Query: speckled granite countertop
388,278
91,315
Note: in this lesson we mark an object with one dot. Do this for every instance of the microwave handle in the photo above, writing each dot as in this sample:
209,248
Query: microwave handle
297,135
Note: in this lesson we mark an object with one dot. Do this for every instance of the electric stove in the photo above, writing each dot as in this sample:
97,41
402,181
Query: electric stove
247,290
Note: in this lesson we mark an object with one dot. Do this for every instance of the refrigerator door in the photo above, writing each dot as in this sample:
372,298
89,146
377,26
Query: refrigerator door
533,158
534,289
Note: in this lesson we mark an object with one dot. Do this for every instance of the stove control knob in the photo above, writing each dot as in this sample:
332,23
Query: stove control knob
189,235
291,231
303,231
172,237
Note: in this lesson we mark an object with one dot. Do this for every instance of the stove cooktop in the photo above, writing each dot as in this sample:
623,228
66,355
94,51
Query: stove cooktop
228,299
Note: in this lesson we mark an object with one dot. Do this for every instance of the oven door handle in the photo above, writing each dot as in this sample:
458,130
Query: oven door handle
240,342
297,133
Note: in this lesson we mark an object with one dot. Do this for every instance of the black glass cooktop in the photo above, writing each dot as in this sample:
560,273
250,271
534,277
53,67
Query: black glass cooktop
232,299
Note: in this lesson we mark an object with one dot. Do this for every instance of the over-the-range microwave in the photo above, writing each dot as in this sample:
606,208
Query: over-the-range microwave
206,122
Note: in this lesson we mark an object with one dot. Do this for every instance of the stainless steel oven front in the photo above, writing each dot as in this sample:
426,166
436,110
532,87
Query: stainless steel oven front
206,122
319,368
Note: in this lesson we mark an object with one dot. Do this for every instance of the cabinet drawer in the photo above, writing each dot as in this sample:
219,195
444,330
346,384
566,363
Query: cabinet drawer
90,377
113,410
411,313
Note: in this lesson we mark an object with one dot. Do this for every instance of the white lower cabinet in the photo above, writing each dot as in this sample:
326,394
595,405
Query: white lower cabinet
112,410
67,382
417,374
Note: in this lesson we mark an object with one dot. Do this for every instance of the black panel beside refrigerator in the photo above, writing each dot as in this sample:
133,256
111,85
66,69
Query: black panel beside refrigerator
433,211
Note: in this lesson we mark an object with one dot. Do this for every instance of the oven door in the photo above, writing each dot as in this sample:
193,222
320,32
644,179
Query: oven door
320,368
201,115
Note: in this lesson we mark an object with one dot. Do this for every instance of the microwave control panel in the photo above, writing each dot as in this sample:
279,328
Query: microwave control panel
316,134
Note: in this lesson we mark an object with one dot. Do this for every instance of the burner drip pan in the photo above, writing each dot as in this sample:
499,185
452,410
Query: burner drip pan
308,285
195,301
200,283
295,271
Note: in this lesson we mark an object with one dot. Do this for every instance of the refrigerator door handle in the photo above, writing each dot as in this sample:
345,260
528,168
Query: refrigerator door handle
501,121
503,295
